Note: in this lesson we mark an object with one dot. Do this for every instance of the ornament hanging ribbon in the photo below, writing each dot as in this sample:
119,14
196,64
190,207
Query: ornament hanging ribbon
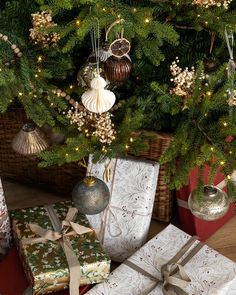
108,213
3,242
231,65
61,233
174,279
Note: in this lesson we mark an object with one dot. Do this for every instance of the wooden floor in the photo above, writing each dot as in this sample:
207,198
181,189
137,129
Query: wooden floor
21,196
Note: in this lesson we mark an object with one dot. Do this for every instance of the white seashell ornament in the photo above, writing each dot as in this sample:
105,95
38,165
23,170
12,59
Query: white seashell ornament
97,99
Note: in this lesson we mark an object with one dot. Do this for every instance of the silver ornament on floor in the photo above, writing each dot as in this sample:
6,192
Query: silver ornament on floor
91,195
212,205
29,140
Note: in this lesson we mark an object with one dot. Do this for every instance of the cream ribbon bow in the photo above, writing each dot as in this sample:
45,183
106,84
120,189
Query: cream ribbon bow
62,237
172,284
174,278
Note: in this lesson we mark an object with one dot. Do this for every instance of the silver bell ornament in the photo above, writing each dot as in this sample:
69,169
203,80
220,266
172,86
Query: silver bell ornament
212,205
91,195
30,140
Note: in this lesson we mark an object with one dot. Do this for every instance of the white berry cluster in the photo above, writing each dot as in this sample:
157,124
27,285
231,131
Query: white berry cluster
93,124
182,78
209,3
43,20
232,98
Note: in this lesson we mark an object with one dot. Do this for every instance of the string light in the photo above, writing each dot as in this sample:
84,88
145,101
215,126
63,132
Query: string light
0,69
147,20
36,75
135,9
39,70
131,139
209,93
225,124
222,163
230,152
104,9
20,93
66,155
212,149
126,146
77,22
76,149
206,22
71,86
40,58
229,177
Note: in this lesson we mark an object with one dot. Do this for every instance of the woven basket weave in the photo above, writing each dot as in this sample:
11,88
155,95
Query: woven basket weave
63,178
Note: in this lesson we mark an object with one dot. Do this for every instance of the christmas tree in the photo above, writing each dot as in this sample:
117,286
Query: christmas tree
181,81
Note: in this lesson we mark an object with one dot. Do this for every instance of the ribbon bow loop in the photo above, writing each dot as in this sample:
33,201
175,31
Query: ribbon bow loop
68,228
175,279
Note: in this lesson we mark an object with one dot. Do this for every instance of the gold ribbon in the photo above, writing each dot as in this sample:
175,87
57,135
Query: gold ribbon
174,278
61,234
3,242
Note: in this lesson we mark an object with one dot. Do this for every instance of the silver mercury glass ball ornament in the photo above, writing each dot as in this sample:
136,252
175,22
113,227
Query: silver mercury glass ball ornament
91,195
212,205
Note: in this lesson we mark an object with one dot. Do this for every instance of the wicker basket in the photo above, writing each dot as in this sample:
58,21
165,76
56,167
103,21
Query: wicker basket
63,178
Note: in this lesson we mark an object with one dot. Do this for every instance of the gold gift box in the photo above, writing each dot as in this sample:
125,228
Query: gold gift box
45,263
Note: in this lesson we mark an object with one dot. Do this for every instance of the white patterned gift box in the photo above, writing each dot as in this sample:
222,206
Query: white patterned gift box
5,229
125,223
210,272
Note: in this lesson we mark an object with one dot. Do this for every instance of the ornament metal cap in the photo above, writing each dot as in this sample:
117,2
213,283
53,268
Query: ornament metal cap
29,140
211,205
90,180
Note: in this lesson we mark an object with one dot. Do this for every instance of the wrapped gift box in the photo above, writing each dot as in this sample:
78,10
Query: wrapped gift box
124,224
5,229
11,267
188,222
210,272
45,262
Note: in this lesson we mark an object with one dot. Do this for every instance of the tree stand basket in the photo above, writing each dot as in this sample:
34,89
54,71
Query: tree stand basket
63,178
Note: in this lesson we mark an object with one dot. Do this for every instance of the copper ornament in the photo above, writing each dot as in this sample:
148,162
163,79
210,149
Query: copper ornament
29,140
117,69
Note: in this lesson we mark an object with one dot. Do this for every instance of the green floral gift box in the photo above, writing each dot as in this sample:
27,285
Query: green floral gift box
49,240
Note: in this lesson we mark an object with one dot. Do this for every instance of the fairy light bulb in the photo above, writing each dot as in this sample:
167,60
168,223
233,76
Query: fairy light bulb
225,124
77,22
222,163
147,20
40,58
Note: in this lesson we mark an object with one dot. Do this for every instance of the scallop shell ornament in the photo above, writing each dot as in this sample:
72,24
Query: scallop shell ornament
98,99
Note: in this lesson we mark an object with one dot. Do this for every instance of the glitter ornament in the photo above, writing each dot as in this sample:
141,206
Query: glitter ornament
91,195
